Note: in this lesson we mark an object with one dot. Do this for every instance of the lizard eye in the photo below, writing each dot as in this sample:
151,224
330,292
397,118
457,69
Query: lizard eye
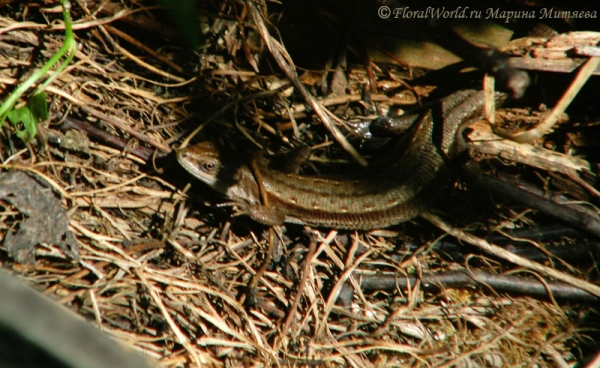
209,166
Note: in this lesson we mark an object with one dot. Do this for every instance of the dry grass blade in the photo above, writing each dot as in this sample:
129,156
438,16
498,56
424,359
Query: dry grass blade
166,270
510,256
582,76
285,63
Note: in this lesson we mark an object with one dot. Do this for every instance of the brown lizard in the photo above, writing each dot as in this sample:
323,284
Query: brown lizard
394,188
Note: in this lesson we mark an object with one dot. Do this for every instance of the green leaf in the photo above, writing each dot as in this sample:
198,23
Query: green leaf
27,118
24,122
39,106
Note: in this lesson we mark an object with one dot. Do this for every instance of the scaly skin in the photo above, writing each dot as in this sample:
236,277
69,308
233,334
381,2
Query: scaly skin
395,188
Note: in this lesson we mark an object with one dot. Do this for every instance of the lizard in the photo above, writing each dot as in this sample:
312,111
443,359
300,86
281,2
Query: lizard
394,188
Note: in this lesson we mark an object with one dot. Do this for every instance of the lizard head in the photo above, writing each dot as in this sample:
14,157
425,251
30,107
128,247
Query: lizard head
204,162
221,169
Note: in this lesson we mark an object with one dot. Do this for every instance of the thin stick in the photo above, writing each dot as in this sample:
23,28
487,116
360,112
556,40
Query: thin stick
509,256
